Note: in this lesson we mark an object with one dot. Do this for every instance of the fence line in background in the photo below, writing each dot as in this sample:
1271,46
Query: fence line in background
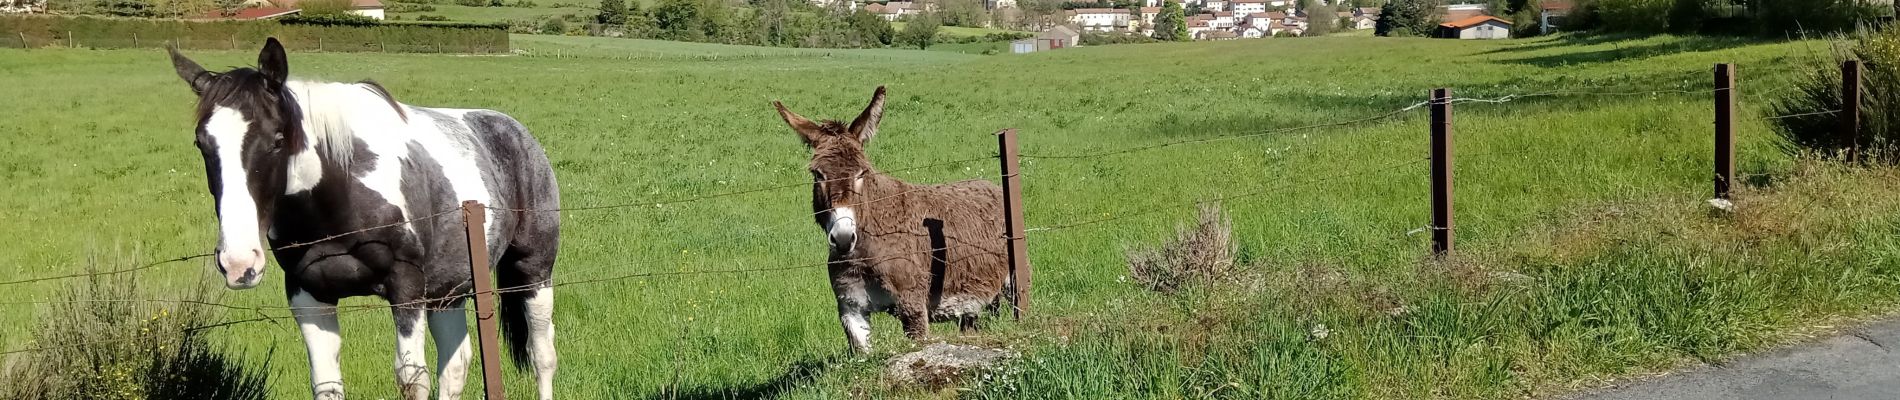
1441,162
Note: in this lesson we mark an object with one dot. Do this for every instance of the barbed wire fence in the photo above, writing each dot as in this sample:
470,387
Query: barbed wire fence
1441,226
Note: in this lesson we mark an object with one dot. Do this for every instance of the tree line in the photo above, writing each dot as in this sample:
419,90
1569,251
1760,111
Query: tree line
1768,18
781,23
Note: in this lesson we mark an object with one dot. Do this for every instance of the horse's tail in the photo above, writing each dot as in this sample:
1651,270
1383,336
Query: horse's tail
514,319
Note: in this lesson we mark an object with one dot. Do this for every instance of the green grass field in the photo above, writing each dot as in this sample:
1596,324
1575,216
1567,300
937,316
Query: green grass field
1594,200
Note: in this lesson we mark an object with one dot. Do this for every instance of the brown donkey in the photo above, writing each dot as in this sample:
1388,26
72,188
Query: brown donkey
921,252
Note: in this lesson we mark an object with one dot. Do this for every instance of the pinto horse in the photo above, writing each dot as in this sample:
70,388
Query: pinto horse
920,252
329,163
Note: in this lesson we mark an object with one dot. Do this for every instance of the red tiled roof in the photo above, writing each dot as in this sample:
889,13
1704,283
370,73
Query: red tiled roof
1460,15
1151,10
252,13
1472,21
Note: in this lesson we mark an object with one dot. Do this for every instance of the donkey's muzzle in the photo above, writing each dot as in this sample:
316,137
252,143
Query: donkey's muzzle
843,230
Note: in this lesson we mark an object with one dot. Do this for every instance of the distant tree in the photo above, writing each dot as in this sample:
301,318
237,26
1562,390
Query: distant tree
1171,24
1407,18
874,30
1319,21
612,12
921,31
678,20
967,13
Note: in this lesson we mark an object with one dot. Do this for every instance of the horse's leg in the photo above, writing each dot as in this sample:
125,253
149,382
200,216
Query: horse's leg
412,371
449,327
321,338
967,323
854,311
541,339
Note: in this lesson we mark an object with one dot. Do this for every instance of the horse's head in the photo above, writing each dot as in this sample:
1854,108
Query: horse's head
247,129
838,167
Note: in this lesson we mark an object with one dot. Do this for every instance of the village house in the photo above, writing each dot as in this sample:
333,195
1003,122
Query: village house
1363,22
1253,32
1460,12
1059,37
1479,27
1218,35
1223,20
262,9
1552,15
1148,15
1259,20
1101,19
1214,5
1197,27
1249,7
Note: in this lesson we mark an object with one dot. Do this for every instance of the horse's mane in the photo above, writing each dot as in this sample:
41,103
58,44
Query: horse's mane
327,105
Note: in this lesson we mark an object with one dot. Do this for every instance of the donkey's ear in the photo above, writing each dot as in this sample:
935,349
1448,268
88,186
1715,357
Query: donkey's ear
806,129
866,125
272,63
188,70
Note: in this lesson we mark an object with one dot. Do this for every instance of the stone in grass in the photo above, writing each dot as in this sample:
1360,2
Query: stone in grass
941,365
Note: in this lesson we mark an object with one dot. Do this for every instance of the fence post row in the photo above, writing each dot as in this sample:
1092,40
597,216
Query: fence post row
1018,251
1441,172
1850,108
474,214
1724,130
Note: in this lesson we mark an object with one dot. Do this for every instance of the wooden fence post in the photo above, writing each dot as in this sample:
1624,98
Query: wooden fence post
135,39
1441,172
1724,130
1018,251
475,215
23,43
1850,108
70,42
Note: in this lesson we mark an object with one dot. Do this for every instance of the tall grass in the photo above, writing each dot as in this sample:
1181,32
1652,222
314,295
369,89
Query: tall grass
101,340
1817,105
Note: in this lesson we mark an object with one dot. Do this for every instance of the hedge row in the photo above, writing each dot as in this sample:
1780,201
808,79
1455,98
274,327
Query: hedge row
91,32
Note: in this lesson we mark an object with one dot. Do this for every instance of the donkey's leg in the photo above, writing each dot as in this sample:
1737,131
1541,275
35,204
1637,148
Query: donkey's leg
854,312
412,369
317,320
915,318
449,327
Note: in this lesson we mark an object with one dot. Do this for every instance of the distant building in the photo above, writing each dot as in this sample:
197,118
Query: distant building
1363,22
253,13
1479,27
1214,5
1023,46
1059,37
1553,15
1249,7
1460,12
1101,19
368,8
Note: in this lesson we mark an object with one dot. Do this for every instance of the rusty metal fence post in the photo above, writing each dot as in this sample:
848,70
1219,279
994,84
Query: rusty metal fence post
1724,130
475,216
1018,251
1850,108
1441,172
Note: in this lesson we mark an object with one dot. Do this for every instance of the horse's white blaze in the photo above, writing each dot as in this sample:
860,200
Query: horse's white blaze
240,252
321,338
450,330
412,370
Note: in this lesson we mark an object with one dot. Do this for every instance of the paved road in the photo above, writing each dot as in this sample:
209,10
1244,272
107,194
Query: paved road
1862,364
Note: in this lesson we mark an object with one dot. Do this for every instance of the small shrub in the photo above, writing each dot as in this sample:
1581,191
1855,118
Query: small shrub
1198,255
554,26
410,8
1815,132
329,20
431,18
99,342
